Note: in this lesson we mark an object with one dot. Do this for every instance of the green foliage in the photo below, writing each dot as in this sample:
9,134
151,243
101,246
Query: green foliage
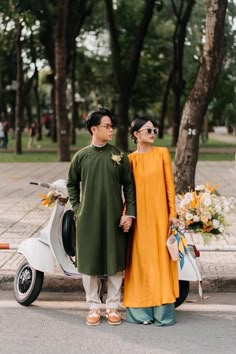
223,107
94,76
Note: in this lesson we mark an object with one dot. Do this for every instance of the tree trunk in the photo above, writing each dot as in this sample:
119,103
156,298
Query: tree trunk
176,115
28,110
35,83
164,106
53,125
196,105
123,121
74,111
183,14
125,74
63,132
37,103
19,89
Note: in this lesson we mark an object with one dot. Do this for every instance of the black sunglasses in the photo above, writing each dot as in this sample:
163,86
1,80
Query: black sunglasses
150,130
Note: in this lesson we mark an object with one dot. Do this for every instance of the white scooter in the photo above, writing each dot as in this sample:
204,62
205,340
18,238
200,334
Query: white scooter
56,244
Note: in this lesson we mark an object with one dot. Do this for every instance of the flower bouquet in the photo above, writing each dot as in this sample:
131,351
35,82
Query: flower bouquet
202,210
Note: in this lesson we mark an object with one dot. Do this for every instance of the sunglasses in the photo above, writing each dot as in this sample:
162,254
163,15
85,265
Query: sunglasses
150,130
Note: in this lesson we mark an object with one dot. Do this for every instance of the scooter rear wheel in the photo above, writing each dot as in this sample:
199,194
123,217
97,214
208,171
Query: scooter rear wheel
28,283
183,292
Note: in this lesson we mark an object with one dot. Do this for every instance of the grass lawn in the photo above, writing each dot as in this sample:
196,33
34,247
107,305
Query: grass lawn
83,139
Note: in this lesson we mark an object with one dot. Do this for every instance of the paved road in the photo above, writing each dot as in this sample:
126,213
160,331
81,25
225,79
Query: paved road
206,326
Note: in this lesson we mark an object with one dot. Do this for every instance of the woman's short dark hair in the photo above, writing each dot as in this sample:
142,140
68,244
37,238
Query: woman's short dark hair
137,124
94,117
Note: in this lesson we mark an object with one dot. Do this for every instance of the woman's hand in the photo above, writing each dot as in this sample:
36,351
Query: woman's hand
174,222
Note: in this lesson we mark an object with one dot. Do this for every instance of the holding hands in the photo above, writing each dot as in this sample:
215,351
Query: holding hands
126,222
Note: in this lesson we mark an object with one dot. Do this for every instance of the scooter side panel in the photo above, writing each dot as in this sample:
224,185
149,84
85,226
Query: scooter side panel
190,269
38,254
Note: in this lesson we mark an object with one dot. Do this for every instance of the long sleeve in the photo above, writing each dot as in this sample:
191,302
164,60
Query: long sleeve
73,184
128,188
169,182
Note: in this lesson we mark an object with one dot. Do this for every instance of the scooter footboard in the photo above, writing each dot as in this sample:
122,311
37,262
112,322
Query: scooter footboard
38,254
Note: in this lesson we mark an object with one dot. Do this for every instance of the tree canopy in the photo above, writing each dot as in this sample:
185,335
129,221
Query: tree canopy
136,57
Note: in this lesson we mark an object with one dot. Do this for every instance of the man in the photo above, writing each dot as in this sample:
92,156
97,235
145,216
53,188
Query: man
97,175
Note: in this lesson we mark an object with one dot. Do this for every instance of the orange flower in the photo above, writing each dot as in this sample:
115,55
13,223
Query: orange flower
209,188
45,199
48,200
194,201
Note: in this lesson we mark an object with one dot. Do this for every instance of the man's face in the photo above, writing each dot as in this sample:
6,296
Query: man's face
104,131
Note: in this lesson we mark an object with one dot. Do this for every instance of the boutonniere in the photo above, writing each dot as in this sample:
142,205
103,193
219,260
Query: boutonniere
49,199
116,158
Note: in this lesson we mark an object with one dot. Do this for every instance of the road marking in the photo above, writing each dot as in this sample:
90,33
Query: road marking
82,305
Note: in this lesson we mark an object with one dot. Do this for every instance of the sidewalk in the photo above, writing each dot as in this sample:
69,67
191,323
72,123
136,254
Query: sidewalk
21,215
225,138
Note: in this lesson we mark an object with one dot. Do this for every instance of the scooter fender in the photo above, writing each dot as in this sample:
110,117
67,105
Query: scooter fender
38,254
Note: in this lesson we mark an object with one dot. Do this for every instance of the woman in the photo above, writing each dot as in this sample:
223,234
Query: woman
151,278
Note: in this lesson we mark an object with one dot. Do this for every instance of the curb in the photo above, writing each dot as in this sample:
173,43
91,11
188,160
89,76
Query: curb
210,284
59,283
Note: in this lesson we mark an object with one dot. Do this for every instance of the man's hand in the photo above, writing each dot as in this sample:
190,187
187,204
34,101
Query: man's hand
125,222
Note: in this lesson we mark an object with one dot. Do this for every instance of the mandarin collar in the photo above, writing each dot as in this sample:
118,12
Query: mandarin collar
99,148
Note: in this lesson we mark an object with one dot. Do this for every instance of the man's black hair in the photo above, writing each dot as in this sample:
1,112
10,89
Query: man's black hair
94,117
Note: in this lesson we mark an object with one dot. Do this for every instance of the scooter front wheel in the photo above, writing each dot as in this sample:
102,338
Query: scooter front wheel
28,283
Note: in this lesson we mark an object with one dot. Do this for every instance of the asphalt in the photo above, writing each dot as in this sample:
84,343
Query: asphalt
21,216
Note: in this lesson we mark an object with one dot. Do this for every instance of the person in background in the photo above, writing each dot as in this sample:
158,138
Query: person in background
151,277
97,175
6,129
32,135
2,135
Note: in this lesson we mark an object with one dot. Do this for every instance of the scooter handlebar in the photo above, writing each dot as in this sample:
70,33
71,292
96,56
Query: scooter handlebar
45,185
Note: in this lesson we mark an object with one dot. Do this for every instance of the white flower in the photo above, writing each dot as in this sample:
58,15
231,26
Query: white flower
221,228
199,188
116,158
231,200
218,208
215,224
196,218
207,201
187,199
189,216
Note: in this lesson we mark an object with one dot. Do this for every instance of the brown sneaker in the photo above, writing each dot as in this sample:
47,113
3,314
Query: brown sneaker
93,318
113,317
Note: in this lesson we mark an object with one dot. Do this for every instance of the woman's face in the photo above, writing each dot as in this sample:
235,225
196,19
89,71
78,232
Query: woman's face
146,134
